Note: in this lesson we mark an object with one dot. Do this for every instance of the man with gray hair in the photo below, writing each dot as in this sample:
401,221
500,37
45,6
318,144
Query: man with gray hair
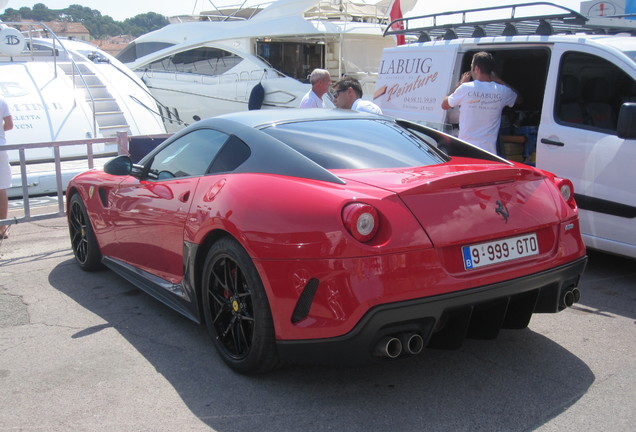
320,81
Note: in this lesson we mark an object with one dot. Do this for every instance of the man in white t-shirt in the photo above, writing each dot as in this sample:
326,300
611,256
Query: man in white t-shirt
347,94
481,102
5,168
320,81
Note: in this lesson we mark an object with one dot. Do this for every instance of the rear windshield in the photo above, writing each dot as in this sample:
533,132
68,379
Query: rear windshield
357,143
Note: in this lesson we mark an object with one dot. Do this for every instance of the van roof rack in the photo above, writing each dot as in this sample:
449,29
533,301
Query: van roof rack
508,20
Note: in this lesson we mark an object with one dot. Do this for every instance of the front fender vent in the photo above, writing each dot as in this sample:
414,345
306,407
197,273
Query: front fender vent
103,196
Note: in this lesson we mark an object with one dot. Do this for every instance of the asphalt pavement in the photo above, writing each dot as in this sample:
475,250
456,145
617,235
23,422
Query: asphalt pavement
89,352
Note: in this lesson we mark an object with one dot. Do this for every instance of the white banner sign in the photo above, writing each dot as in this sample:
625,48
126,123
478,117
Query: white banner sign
413,80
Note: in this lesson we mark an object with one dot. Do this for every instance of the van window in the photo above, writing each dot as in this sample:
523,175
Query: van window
591,91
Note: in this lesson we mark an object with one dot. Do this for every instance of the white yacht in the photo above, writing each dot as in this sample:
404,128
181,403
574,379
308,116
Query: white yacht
61,89
66,90
215,65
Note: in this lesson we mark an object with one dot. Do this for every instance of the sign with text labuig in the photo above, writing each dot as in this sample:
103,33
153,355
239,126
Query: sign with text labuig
413,80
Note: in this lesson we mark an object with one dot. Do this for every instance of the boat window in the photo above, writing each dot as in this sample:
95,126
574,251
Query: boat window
203,61
189,155
356,144
294,59
37,48
136,50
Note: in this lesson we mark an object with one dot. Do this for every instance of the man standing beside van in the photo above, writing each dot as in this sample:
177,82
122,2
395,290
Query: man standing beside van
481,102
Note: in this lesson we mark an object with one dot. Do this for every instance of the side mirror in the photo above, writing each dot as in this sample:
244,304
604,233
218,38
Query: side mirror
627,121
120,166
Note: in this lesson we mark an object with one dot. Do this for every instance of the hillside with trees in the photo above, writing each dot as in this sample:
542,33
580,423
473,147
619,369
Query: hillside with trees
100,26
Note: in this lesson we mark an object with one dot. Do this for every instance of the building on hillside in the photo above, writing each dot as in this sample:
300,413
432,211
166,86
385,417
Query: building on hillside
71,30
113,45
62,29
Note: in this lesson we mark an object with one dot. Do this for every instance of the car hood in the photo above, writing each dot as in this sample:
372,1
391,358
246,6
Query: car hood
469,202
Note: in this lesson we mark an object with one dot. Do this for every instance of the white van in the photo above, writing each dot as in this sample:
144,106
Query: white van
576,90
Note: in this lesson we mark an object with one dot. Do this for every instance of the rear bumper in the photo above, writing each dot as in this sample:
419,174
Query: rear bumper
444,321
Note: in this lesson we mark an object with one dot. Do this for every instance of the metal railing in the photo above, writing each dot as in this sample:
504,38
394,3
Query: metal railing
121,140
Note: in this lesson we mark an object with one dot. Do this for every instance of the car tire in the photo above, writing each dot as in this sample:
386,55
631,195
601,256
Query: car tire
236,310
83,241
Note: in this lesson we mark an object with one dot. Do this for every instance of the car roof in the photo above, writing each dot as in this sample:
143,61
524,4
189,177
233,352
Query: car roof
266,117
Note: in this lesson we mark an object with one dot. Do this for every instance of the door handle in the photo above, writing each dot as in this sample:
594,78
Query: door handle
184,196
551,142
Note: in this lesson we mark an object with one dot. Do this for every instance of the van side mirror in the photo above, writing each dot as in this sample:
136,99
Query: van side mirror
627,121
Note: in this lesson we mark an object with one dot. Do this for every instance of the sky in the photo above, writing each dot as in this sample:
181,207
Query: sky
122,9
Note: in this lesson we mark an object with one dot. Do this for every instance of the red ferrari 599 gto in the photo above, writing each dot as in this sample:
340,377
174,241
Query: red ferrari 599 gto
331,236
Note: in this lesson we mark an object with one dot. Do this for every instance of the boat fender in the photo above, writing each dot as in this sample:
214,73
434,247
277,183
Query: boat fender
257,95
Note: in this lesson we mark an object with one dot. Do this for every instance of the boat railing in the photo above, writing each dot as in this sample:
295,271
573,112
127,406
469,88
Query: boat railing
231,12
39,29
323,10
225,78
349,11
122,140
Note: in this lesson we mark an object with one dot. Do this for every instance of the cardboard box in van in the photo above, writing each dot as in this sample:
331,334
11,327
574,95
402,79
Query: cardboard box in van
577,117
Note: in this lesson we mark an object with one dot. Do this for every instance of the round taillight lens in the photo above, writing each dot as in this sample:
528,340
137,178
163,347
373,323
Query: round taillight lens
361,220
567,191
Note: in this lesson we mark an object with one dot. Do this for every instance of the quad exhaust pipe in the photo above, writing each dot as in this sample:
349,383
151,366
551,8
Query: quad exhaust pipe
393,346
388,347
569,297
412,343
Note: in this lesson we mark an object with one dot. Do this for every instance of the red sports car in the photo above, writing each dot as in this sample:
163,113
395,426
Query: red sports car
331,235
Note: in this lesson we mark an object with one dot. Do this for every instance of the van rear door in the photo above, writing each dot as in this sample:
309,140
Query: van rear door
413,80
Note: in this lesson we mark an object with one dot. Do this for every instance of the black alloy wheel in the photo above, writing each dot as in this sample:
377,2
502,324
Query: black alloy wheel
83,241
236,310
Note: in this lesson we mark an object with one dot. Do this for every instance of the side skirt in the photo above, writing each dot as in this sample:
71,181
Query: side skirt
172,295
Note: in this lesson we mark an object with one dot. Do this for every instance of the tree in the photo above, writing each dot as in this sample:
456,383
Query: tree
10,14
42,13
144,23
99,26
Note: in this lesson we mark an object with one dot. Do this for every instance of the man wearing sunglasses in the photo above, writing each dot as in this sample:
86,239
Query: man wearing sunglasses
347,94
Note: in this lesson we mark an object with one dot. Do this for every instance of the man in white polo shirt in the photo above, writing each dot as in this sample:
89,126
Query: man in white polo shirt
481,102
320,81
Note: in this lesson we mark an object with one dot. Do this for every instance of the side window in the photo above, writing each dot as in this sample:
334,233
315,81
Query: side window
591,91
135,50
203,61
190,155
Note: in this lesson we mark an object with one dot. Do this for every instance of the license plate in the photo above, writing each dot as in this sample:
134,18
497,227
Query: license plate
493,252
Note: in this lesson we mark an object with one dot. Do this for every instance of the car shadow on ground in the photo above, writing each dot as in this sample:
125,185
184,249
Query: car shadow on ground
516,382
610,285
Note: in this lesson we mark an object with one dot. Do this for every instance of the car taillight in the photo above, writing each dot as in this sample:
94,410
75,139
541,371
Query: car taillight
567,190
361,220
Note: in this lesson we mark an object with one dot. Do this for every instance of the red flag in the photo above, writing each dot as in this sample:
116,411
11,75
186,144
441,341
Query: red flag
396,13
